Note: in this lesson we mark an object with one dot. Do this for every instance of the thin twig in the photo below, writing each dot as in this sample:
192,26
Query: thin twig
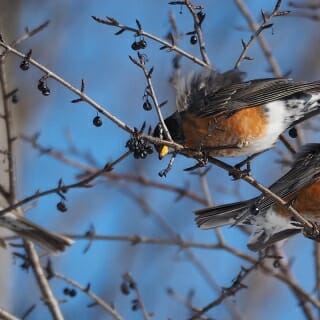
86,290
227,292
34,260
151,91
5,315
84,183
172,47
134,286
257,35
70,87
30,33
139,179
43,283
199,33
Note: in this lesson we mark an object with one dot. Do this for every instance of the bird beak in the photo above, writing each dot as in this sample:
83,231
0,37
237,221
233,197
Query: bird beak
164,150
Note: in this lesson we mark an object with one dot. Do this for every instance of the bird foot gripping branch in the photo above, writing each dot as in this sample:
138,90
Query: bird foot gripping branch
313,233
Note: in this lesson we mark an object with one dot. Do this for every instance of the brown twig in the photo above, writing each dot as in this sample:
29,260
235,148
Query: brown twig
9,134
5,315
86,290
257,35
43,283
84,183
30,33
151,92
139,179
198,31
133,285
110,21
70,87
227,292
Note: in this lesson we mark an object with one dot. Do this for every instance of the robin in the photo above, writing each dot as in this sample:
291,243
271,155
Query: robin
221,115
300,188
24,228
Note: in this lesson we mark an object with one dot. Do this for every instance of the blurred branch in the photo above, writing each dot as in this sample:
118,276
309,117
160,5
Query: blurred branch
311,5
139,179
285,268
42,281
139,304
62,188
9,134
30,33
5,315
33,257
86,290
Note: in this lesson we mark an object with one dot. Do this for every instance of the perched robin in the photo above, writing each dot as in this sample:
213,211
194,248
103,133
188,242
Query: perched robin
300,188
221,115
24,228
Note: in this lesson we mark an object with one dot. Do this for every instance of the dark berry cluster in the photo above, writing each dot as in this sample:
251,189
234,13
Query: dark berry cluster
139,146
25,63
61,206
42,86
137,45
70,292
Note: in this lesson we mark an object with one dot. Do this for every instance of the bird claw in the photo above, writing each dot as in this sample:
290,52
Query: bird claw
313,233
201,163
237,174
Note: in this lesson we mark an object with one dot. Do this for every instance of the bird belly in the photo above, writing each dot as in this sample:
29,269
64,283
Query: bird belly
242,133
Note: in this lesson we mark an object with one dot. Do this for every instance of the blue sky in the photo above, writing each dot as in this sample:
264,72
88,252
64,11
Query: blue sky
76,47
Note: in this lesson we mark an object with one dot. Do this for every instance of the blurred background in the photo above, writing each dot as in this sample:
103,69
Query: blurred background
75,47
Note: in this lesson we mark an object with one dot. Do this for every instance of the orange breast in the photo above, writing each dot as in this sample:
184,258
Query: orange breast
242,127
306,202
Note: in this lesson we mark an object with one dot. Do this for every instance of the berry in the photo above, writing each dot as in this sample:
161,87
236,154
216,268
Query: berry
45,91
135,46
193,39
72,293
14,98
142,44
125,288
61,206
147,105
97,121
24,65
66,291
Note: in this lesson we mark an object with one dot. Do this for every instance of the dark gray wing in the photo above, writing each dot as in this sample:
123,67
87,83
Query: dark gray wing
212,94
263,240
305,170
